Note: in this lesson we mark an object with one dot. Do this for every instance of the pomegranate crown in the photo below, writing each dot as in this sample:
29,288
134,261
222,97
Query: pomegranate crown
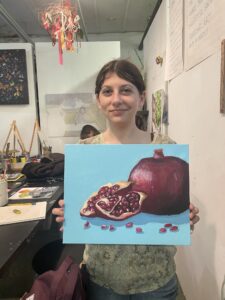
158,153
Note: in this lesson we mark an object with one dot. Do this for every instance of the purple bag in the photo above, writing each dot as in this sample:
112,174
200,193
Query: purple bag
65,283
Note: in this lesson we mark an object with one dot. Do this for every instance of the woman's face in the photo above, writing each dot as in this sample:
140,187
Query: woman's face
119,100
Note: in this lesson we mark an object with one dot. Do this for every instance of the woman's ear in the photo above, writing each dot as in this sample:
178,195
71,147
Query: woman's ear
142,100
98,101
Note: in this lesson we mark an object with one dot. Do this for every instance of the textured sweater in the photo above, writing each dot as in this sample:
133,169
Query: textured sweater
130,269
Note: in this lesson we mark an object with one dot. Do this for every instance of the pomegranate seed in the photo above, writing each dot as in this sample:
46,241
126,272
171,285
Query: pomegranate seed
86,225
174,228
168,225
139,230
104,227
111,228
129,225
115,187
162,230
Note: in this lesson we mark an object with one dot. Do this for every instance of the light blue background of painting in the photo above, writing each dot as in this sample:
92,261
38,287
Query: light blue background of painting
87,168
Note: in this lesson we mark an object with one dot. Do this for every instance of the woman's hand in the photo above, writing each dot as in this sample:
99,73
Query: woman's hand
59,213
194,218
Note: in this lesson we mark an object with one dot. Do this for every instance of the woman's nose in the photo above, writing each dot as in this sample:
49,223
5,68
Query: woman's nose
116,98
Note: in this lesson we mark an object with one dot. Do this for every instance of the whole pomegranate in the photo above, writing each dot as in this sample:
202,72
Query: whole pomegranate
165,180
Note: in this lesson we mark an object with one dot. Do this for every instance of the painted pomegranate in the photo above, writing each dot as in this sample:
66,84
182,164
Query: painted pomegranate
165,180
109,190
117,207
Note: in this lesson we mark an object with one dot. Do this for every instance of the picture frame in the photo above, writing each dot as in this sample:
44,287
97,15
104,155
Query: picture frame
222,79
13,75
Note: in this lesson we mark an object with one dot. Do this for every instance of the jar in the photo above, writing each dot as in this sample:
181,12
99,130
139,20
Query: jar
3,192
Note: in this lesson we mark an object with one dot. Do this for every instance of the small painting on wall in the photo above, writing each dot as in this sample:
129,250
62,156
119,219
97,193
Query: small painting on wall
13,77
159,111
127,194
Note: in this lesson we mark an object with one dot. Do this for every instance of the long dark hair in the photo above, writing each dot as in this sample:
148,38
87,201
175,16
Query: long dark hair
125,70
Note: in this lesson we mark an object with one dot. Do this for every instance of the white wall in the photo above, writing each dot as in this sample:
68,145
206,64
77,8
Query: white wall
194,118
24,115
129,43
77,74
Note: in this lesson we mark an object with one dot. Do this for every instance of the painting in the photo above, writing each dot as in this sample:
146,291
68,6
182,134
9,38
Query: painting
71,112
13,77
127,194
159,111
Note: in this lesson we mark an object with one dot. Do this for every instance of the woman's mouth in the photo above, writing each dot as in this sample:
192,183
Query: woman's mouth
118,110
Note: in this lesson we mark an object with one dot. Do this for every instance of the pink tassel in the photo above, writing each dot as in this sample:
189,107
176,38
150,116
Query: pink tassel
60,49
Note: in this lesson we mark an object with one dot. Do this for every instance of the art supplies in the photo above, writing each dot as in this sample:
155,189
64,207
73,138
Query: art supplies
33,194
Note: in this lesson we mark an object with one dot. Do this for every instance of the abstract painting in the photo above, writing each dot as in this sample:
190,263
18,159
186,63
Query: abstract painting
13,77
127,194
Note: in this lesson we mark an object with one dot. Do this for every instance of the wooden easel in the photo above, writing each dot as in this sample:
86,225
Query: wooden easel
16,138
40,137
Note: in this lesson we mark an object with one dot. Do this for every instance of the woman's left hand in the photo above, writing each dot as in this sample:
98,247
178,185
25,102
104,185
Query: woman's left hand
194,218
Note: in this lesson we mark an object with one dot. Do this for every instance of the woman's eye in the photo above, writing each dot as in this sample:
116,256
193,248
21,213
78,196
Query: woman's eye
106,92
126,91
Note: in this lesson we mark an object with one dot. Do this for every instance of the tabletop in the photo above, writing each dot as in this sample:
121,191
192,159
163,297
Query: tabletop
14,236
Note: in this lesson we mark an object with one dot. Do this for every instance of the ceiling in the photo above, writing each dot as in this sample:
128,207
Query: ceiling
97,16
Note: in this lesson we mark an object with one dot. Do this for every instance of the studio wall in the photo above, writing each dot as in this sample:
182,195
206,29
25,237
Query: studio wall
76,75
195,119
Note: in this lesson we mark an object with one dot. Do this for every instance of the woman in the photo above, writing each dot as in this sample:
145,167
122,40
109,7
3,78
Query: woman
126,271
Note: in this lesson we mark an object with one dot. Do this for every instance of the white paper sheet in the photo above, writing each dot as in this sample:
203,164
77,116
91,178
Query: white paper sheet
204,29
22,213
174,51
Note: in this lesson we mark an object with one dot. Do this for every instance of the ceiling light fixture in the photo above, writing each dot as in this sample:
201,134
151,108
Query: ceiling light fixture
61,21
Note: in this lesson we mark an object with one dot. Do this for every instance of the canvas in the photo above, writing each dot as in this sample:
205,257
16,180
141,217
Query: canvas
13,74
103,207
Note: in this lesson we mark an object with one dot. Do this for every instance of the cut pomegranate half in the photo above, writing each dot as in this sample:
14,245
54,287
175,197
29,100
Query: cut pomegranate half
109,190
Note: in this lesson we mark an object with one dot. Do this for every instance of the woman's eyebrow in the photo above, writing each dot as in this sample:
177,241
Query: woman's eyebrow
121,86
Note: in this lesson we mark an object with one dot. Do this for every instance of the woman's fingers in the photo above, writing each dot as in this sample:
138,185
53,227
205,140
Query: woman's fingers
61,203
59,219
58,211
194,220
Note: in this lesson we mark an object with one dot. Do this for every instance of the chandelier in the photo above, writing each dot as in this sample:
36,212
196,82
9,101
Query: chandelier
61,21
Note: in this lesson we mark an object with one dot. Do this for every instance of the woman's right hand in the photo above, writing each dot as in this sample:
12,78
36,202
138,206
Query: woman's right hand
59,213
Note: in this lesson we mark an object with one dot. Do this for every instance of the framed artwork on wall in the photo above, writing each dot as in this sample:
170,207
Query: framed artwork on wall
159,114
13,77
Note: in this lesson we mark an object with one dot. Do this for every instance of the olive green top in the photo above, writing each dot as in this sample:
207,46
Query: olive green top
130,269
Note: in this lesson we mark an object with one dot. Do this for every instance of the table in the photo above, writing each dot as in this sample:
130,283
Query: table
14,237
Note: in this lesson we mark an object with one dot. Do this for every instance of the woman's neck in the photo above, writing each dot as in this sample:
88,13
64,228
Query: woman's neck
125,135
